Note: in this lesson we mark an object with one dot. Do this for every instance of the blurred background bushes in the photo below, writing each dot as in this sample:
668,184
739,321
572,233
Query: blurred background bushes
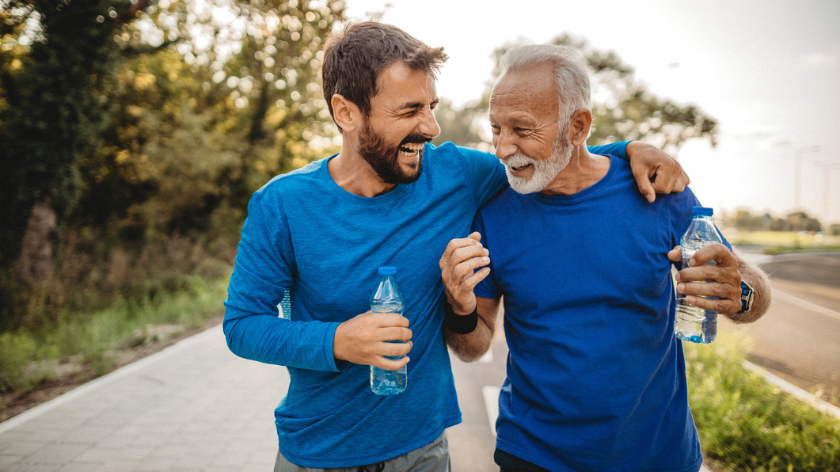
132,134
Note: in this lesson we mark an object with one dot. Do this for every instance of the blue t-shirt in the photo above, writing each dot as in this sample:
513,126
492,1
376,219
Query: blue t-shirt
306,234
595,377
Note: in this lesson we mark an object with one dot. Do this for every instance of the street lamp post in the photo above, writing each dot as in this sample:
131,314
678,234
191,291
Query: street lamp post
827,168
797,182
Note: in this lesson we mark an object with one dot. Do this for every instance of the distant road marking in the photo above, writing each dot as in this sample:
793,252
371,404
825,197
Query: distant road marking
778,294
491,403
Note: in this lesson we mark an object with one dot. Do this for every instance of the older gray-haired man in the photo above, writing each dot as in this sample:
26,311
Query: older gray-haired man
595,377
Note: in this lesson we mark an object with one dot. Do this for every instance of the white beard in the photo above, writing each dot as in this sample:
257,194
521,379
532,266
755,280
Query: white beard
544,170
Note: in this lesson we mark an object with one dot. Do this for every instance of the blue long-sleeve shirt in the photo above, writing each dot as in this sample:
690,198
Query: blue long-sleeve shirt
306,234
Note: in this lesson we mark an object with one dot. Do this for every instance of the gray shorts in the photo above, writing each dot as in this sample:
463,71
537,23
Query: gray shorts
433,457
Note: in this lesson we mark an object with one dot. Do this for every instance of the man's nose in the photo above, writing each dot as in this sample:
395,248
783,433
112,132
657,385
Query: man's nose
505,145
429,126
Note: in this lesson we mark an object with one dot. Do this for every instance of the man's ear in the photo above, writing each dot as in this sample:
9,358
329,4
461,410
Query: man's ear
346,114
579,126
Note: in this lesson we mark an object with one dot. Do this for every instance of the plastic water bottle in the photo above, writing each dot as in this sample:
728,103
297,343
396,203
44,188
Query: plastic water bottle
285,306
388,299
692,323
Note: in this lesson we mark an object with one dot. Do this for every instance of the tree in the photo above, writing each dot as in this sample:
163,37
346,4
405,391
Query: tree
128,121
51,108
622,108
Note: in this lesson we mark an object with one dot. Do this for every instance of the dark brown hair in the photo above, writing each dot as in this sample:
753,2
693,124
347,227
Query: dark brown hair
354,58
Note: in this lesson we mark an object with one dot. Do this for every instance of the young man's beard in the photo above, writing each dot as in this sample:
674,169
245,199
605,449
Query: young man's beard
384,158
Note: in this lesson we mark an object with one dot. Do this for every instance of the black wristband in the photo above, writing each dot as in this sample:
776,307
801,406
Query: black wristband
456,323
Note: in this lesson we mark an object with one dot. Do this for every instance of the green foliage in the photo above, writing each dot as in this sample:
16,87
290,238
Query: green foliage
19,366
463,126
154,125
798,221
89,339
747,424
51,106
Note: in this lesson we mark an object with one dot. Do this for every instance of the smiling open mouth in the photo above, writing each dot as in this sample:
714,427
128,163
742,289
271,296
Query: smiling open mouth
411,149
519,168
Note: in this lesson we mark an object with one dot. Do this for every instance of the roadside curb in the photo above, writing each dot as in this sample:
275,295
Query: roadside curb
793,390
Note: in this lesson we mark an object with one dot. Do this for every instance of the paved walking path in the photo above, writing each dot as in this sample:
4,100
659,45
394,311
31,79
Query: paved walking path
192,406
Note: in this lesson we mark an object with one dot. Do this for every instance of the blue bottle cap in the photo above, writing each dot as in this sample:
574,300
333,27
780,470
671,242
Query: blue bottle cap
702,211
387,270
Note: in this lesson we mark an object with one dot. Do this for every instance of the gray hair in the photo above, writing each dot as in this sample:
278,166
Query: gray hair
570,69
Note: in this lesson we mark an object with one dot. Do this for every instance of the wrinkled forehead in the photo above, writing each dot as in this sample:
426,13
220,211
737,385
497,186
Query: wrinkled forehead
530,91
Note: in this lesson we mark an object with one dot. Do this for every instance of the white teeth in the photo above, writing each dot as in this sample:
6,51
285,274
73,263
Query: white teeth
411,149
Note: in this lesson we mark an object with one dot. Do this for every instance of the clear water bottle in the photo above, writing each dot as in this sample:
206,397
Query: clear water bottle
695,324
285,306
388,299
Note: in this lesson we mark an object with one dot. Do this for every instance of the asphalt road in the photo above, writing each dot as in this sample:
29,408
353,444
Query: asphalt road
797,338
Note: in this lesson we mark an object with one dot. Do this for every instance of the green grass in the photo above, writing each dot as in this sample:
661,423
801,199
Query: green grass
28,358
746,424
778,242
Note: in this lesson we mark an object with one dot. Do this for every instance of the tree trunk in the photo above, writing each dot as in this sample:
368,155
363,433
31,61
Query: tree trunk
35,263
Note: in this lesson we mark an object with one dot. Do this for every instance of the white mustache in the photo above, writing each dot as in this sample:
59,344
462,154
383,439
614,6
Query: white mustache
517,160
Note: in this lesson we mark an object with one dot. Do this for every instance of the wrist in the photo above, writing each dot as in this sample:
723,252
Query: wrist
458,323
747,296
631,147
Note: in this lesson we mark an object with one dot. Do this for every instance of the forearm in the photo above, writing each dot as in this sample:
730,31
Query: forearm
757,279
272,340
470,347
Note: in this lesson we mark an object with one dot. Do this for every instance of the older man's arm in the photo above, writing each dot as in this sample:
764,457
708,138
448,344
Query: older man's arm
723,281
462,267
471,346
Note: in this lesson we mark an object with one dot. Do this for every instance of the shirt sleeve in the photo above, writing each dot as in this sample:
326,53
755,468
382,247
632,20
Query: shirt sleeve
618,149
487,288
485,174
263,271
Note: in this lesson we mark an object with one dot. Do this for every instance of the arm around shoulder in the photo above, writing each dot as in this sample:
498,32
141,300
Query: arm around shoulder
471,346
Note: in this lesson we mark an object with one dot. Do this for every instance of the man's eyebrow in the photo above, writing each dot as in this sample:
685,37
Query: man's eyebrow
408,105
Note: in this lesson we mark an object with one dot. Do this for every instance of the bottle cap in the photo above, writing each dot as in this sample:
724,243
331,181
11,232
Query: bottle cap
702,211
387,270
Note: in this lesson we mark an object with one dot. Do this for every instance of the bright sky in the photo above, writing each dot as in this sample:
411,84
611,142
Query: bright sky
768,70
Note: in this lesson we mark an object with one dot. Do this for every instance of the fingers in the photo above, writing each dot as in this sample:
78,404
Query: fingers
643,180
721,280
670,177
462,268
675,254
668,181
394,349
391,364
459,249
385,320
392,355
393,334
714,252
685,178
364,338
720,305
